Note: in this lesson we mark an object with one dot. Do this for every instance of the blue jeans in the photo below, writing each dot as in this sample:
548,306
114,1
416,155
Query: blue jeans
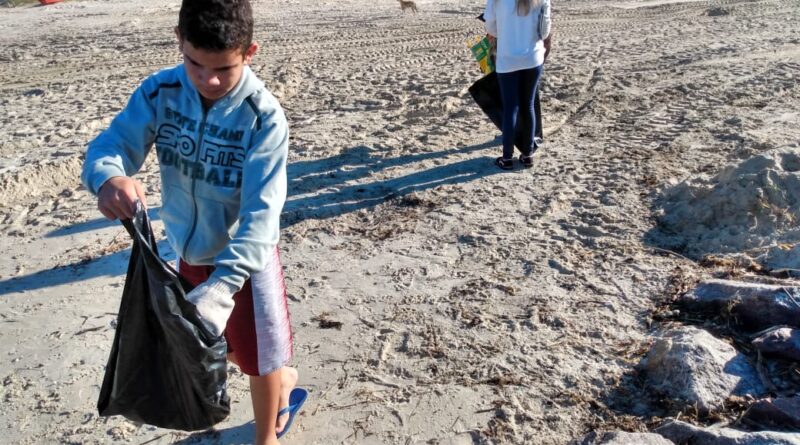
518,89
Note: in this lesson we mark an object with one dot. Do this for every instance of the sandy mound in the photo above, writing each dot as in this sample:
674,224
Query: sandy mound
44,178
751,207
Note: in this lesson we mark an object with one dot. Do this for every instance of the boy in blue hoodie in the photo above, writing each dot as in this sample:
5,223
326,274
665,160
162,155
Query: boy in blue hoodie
221,140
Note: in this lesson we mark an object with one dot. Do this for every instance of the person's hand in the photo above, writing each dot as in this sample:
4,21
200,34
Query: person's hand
117,197
492,40
547,45
214,302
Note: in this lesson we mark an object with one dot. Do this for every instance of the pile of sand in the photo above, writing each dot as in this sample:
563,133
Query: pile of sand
749,208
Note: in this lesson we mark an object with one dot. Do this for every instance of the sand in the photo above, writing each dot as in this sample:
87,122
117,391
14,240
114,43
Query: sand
476,306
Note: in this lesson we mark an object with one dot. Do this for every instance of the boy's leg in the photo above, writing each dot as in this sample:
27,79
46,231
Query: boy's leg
259,334
262,395
262,390
265,394
288,382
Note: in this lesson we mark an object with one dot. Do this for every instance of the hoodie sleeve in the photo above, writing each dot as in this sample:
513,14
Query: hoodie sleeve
544,20
490,18
121,149
262,197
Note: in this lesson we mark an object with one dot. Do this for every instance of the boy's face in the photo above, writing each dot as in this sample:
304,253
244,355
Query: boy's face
215,73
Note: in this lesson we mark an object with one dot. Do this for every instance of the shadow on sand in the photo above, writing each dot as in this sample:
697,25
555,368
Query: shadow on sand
322,188
237,435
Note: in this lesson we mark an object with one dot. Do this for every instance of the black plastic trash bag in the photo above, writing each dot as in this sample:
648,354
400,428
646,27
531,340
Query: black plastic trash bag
165,368
486,93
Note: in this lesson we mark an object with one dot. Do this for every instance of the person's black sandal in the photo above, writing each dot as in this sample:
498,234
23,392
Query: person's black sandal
505,164
526,161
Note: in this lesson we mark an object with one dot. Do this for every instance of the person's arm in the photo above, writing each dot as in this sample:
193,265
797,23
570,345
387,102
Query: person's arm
117,153
490,22
250,250
544,20
548,42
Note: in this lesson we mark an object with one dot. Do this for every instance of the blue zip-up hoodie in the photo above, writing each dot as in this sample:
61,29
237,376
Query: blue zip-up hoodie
223,171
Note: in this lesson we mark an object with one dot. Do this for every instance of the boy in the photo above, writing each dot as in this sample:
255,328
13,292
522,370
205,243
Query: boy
222,141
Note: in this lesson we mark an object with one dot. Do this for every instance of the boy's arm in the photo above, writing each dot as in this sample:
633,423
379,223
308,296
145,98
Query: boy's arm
251,249
262,198
117,153
490,19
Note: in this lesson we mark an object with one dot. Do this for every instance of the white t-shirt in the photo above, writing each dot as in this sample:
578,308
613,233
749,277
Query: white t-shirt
519,39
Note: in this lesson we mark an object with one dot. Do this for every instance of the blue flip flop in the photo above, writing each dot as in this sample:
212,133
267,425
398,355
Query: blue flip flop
296,399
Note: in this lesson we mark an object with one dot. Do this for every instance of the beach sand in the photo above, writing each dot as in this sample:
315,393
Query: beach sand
476,305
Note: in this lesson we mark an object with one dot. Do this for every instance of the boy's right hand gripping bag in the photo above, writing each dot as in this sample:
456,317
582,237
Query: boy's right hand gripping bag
165,368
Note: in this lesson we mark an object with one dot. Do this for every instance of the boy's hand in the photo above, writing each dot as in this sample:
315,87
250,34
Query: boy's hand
214,302
117,197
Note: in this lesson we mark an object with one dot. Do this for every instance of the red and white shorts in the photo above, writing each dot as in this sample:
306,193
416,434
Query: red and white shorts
259,330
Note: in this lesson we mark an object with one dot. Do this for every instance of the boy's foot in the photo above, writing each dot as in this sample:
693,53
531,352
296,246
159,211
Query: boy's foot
288,382
505,164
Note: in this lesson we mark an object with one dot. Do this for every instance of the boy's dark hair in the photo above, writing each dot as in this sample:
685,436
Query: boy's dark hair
216,25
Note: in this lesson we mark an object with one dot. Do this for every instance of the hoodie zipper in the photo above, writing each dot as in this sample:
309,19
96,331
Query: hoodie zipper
194,183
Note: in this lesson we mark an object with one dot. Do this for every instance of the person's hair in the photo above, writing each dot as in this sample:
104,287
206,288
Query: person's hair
216,25
524,6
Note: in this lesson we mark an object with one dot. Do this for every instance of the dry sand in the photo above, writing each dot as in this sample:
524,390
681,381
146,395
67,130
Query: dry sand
476,306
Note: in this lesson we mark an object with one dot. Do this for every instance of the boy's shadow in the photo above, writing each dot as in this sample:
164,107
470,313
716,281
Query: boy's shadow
322,188
108,265
97,224
330,187
308,181
237,435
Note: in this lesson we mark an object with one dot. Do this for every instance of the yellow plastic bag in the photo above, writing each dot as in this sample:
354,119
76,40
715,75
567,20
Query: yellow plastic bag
482,49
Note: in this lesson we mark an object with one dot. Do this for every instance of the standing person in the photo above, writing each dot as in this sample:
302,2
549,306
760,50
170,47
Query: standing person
520,27
222,143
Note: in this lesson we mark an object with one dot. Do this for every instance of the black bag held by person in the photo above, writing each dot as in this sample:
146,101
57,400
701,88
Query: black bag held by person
486,93
165,369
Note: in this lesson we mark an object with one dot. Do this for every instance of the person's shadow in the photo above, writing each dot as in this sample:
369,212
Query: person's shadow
322,188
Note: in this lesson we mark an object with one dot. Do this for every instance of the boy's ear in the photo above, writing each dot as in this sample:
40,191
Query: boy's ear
250,52
178,35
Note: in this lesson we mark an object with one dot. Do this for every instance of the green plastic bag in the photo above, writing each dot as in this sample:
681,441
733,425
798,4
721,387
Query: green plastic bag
482,51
